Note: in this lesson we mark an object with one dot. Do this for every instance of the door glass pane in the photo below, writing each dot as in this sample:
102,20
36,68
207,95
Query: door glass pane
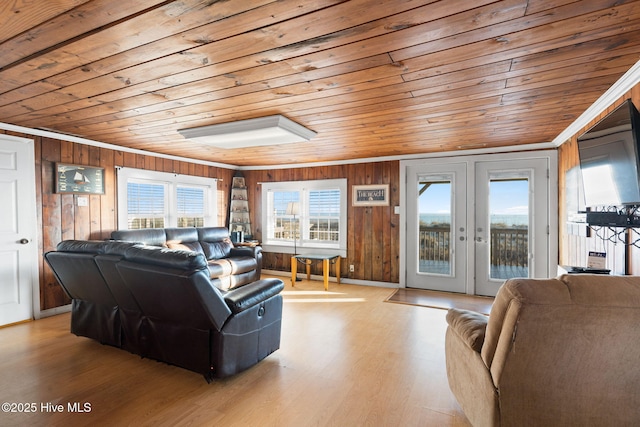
434,234
509,225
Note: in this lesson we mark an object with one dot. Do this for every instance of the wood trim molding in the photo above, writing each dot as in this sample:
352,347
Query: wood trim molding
618,89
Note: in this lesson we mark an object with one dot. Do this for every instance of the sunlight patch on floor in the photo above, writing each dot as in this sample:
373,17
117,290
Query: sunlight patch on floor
287,301
291,293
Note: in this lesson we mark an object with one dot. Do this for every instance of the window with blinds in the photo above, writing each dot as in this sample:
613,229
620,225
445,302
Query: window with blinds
323,221
285,224
151,199
319,222
191,202
146,205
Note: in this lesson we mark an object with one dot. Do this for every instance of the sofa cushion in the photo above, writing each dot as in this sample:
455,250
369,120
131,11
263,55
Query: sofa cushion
101,247
184,239
223,268
622,291
227,266
215,241
508,303
217,250
468,325
184,260
181,234
186,246
227,283
81,246
117,247
148,236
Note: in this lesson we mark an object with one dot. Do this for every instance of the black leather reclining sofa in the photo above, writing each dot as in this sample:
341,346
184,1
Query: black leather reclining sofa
204,310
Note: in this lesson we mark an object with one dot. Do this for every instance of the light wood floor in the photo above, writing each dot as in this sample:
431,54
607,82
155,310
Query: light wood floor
346,359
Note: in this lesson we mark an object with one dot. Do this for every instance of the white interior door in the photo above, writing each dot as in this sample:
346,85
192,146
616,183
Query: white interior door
18,247
436,221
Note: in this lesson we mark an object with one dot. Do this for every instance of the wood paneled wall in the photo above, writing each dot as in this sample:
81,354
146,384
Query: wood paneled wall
373,232
60,218
577,240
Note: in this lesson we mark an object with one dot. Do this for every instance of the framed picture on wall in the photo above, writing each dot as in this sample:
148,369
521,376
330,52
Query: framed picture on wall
79,179
370,195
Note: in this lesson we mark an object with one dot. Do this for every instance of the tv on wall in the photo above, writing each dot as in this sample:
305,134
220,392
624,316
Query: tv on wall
609,159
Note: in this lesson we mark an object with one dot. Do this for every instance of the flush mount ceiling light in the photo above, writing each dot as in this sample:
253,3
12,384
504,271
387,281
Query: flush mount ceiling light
269,130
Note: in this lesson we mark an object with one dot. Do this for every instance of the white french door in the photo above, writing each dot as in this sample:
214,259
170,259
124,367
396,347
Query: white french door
473,222
437,236
18,246
512,222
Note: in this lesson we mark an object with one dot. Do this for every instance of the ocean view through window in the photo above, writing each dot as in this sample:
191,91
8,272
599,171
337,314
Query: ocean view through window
318,226
508,226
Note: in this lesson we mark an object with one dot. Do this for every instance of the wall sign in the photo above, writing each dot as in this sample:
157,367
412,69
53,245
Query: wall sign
79,179
370,195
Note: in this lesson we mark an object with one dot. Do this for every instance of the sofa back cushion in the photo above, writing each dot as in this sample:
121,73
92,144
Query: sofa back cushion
74,266
169,258
185,238
173,287
215,242
507,305
568,345
148,236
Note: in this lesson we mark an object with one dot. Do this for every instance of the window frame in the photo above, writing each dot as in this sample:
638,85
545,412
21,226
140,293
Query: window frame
303,245
171,181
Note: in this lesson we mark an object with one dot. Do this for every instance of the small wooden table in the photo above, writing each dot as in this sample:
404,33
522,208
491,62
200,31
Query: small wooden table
310,259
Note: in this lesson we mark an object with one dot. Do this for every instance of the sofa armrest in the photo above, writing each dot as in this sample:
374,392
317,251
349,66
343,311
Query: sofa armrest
470,381
469,326
250,251
247,296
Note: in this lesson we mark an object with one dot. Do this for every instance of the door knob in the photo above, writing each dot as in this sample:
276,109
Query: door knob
23,241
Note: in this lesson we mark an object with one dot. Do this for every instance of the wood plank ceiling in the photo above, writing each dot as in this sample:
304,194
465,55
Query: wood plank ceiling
372,78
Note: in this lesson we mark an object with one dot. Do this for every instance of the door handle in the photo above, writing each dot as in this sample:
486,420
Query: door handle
23,241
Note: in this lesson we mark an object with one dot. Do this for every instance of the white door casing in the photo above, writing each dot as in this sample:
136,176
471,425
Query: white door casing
19,284
538,168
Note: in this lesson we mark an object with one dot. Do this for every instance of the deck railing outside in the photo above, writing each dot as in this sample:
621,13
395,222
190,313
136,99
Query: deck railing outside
509,245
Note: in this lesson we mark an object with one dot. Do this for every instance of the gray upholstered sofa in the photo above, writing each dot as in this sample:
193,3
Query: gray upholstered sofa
553,352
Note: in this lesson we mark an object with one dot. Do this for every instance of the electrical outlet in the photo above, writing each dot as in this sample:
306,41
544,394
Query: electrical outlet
351,268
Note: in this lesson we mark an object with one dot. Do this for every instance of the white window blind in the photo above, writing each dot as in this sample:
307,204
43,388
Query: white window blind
146,205
150,199
191,203
324,215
